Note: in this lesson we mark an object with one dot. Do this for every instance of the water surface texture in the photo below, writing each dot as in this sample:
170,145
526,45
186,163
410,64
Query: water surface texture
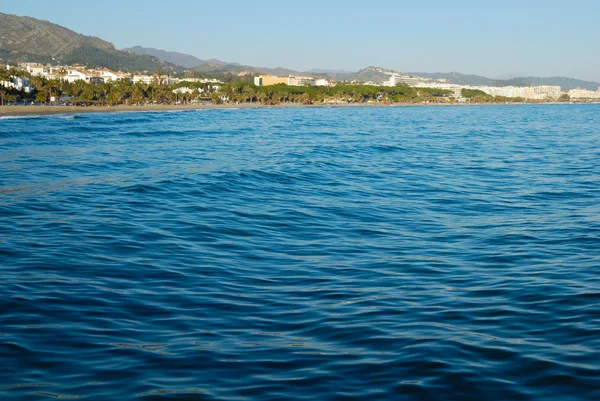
409,253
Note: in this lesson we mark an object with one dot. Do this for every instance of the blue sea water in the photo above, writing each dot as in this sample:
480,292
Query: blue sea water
398,253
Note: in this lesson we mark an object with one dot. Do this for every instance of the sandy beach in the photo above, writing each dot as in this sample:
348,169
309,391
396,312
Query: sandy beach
45,110
48,110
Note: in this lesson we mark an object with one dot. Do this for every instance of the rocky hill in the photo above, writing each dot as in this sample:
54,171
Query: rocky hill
25,39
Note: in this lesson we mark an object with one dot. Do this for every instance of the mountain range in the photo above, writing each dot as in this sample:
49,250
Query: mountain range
25,39
372,73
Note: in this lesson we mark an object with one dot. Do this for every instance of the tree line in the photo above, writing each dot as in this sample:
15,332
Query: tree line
124,92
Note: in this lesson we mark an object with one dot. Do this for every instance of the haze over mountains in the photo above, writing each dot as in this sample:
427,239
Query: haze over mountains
25,39
180,59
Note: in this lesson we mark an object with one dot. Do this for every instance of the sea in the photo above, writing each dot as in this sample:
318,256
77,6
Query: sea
357,253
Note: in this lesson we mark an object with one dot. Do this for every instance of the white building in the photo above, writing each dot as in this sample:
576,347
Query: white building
397,79
183,90
83,75
542,92
145,79
505,91
154,79
584,94
18,83
76,75
199,80
528,92
322,82
258,81
294,80
33,68
36,69
456,89
109,76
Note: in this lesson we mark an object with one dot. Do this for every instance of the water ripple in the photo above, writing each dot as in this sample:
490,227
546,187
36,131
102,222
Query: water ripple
390,253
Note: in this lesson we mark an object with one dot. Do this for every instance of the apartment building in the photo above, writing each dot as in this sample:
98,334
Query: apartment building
294,80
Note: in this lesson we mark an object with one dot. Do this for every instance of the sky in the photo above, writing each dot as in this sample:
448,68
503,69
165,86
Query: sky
498,39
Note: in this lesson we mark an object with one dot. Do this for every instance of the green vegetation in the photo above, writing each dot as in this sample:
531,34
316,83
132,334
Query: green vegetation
124,92
236,90
276,94
471,93
477,96
115,60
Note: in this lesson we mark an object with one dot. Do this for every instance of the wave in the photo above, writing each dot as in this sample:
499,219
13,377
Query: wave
401,256
26,117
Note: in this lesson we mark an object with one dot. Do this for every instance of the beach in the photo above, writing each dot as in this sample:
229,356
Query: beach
45,110
48,110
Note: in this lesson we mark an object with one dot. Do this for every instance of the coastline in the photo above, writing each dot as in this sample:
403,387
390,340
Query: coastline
50,110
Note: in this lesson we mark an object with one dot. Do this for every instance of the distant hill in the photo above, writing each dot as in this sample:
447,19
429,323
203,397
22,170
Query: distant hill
218,68
456,78
278,71
25,39
180,59
326,71
214,61
566,84
185,60
209,67
369,74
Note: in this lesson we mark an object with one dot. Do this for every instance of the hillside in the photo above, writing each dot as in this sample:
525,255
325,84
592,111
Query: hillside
369,74
180,59
185,60
30,35
25,39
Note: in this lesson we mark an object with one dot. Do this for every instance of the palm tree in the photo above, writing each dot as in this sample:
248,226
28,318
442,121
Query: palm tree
106,88
39,82
41,97
78,87
54,88
4,75
11,98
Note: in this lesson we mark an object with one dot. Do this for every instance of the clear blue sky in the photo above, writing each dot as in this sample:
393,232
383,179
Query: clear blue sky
497,38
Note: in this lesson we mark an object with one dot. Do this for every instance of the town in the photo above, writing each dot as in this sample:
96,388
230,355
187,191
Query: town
38,83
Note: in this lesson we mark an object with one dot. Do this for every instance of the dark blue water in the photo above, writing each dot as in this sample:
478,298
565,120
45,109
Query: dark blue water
443,253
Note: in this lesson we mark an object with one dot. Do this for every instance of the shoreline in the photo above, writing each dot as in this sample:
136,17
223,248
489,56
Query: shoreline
50,110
